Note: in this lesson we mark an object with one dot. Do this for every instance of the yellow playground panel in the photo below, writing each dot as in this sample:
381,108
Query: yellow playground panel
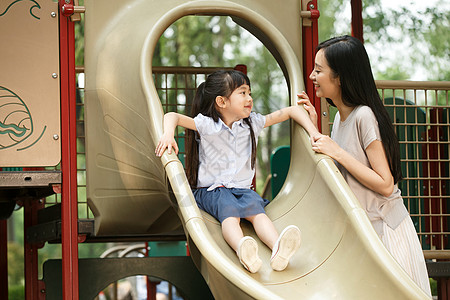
130,191
29,85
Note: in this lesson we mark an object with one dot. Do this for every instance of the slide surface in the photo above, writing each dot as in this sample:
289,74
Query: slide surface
131,192
340,257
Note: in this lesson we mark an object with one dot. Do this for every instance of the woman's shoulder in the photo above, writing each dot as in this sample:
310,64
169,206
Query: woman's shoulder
363,112
367,123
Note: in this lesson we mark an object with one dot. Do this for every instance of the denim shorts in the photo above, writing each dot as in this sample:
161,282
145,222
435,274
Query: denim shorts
223,202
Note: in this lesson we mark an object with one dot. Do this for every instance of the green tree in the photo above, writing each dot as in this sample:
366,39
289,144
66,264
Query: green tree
79,39
195,41
401,41
15,264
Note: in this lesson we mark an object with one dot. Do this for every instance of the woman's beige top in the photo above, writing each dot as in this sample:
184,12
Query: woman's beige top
354,135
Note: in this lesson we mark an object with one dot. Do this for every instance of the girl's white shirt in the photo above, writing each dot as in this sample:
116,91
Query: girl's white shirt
225,153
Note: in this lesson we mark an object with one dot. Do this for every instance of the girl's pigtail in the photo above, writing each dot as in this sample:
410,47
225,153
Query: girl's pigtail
191,139
252,135
191,157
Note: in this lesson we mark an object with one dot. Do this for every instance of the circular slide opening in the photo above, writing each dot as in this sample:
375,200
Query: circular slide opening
194,46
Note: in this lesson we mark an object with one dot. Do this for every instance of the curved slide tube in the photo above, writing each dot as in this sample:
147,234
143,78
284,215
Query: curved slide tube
341,256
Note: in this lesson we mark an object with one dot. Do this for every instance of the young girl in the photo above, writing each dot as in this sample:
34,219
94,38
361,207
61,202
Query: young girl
365,147
221,146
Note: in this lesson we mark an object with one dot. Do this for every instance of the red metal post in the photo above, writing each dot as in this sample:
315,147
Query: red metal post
151,286
357,20
443,288
32,290
435,187
151,289
69,212
242,68
310,36
3,259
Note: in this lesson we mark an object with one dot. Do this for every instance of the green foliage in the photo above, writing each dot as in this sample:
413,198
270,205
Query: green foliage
79,42
92,250
392,72
195,41
15,264
424,36
16,292
433,285
407,42
16,224
79,39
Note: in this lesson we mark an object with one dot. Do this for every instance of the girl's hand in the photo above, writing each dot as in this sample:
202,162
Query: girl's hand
166,141
304,99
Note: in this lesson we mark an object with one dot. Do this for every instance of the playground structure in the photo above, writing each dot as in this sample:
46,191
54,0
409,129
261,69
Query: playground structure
123,122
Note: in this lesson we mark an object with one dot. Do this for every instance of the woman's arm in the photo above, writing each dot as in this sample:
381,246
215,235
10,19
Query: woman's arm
378,178
167,140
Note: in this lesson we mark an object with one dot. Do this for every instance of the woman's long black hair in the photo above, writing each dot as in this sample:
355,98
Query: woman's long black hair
348,59
219,83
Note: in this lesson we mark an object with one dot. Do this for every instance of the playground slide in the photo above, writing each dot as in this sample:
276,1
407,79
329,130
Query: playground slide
341,256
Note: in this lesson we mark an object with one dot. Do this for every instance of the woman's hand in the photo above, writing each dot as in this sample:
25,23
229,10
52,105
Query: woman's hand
314,137
167,141
304,99
325,145
378,179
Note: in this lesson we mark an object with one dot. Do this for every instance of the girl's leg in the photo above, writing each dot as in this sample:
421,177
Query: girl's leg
246,247
264,229
283,246
232,232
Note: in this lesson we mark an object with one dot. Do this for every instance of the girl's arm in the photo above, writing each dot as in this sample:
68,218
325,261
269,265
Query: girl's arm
167,140
304,99
295,113
378,178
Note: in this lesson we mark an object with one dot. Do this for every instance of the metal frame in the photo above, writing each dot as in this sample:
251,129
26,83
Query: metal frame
433,160
69,211
310,36
33,287
3,260
357,20
99,272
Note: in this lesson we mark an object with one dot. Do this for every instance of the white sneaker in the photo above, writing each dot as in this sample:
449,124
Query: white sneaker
248,254
287,244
